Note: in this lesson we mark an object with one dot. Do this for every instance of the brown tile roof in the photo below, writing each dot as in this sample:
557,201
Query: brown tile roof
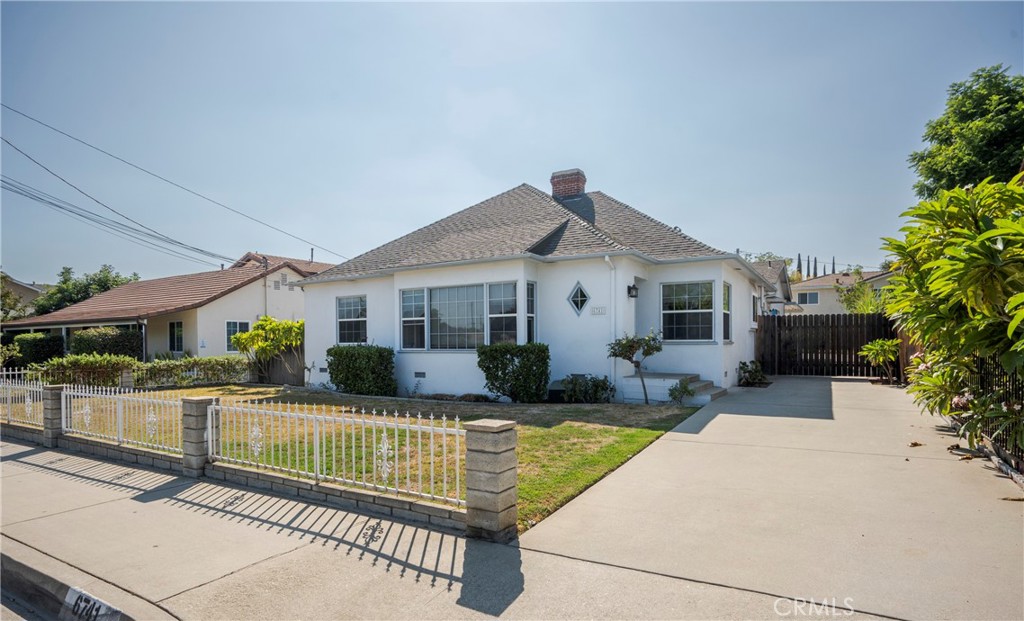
521,221
160,296
843,279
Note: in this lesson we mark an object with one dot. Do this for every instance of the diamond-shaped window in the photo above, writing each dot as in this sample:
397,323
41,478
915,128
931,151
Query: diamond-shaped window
578,298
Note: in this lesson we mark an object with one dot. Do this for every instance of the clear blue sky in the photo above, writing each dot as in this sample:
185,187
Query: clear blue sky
774,126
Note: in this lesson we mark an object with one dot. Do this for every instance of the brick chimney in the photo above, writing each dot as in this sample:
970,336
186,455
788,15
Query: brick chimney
568,183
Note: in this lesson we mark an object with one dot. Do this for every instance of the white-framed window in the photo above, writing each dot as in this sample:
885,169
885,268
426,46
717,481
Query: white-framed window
277,285
687,311
457,316
414,322
531,312
352,319
726,312
233,328
176,336
578,298
284,278
501,312
809,297
463,317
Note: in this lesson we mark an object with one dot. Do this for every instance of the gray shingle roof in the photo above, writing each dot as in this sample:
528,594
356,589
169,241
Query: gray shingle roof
770,270
521,221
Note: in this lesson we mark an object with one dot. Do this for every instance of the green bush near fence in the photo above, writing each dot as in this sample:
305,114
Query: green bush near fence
192,371
106,370
363,369
38,347
91,369
519,372
110,340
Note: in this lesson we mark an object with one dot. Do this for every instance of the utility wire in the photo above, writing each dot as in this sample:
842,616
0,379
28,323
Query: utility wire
117,228
102,204
93,220
166,180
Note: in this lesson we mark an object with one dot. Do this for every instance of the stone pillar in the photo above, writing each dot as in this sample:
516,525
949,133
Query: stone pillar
52,419
491,479
127,379
194,446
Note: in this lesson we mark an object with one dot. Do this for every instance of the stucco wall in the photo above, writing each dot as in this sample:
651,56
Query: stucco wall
246,304
157,333
578,341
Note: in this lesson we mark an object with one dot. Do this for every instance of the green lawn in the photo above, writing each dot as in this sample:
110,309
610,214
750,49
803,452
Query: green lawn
563,449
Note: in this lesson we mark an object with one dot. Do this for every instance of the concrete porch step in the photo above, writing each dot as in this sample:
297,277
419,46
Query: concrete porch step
658,385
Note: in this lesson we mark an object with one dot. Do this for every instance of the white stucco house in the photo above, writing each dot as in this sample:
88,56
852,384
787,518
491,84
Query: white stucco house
818,296
572,269
191,313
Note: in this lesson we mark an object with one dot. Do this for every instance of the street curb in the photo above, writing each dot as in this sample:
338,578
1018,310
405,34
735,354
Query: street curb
44,583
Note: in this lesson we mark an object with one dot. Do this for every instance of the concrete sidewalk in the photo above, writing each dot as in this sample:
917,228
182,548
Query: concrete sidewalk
160,546
801,490
809,488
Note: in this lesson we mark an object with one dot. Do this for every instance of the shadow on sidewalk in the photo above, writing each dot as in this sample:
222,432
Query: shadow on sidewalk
489,576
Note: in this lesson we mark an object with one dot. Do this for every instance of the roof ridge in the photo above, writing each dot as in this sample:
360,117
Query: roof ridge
574,216
674,229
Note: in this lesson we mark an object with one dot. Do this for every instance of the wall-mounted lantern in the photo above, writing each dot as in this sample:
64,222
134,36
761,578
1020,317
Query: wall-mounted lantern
633,291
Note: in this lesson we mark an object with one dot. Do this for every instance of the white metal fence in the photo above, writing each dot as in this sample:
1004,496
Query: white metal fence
405,454
23,400
124,417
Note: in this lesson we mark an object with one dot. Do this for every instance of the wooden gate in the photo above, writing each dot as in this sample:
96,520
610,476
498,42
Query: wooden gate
819,344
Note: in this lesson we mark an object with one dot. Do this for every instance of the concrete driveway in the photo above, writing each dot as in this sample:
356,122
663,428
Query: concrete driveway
808,489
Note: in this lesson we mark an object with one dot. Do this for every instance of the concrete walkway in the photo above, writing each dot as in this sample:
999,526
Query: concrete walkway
809,489
800,490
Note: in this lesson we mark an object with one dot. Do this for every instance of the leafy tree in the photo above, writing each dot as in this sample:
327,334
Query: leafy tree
957,292
8,352
270,339
634,350
980,135
860,297
70,290
11,306
760,257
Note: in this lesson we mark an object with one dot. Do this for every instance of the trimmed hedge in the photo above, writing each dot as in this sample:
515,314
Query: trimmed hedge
363,369
89,369
116,341
519,372
106,369
192,371
38,347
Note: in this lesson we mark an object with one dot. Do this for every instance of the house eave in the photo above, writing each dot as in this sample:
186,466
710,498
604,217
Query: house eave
308,282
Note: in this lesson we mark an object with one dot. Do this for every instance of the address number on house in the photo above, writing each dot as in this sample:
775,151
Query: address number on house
598,310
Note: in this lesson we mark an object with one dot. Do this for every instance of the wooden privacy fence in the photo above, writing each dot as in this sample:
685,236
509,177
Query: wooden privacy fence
819,344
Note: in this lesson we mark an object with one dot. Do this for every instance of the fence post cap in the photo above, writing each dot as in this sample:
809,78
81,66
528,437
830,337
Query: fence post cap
54,387
198,399
489,425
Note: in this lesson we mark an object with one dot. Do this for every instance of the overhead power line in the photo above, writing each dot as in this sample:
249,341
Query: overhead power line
166,180
94,220
158,234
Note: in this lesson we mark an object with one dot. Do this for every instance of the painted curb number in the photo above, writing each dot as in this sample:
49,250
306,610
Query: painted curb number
80,606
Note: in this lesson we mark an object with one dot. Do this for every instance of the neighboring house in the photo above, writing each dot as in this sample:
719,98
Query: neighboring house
571,269
775,272
26,292
818,296
193,313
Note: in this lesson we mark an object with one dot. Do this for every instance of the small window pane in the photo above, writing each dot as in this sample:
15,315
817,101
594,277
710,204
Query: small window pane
578,298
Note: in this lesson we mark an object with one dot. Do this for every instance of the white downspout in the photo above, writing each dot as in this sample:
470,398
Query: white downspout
611,314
